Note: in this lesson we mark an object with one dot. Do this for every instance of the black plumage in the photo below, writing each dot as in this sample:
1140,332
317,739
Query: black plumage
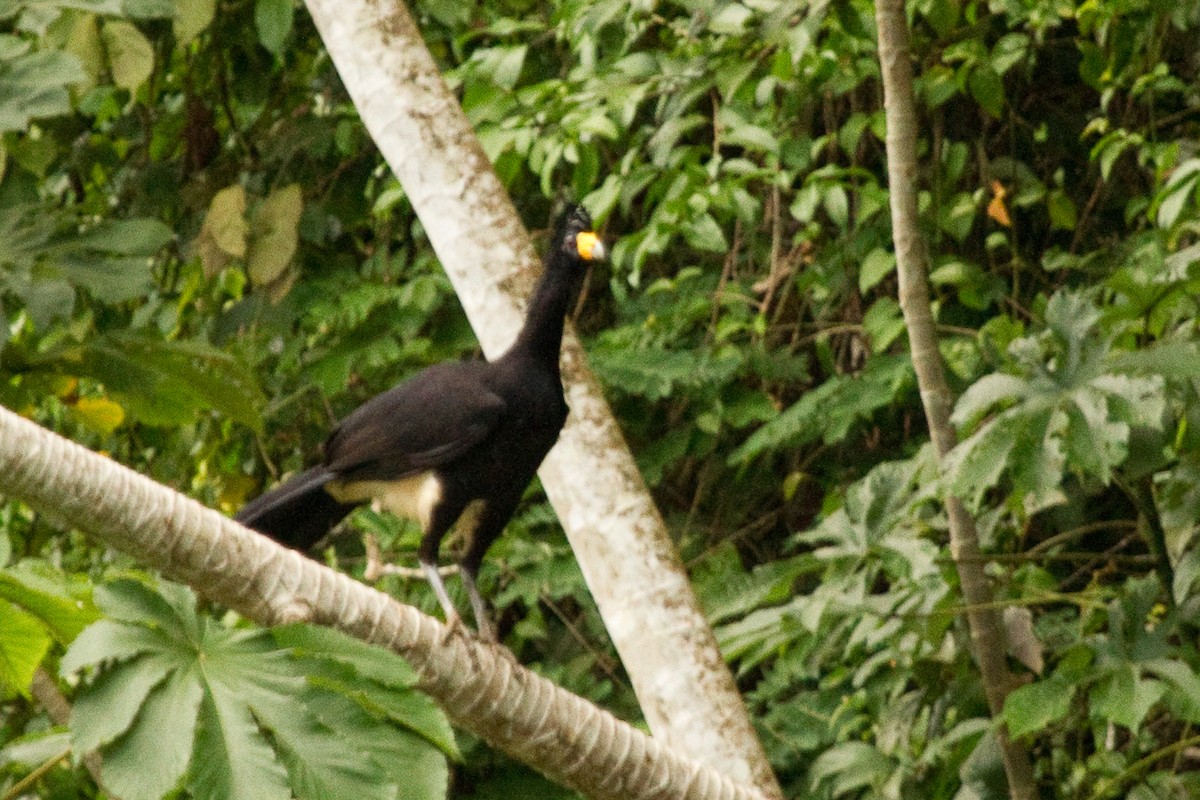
457,442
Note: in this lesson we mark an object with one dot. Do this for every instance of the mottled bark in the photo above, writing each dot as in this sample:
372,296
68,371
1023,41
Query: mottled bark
686,691
912,268
482,689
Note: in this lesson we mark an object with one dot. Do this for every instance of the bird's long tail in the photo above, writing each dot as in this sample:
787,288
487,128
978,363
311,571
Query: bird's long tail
297,513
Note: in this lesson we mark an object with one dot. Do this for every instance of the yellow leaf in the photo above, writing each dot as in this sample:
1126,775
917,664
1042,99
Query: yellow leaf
64,386
223,234
130,56
84,42
99,413
274,234
996,208
235,490
192,17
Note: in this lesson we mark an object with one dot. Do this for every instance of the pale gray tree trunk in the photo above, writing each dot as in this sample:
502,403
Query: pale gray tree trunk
686,691
912,268
482,690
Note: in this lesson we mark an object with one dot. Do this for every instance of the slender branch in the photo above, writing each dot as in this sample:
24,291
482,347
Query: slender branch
18,789
912,269
1104,787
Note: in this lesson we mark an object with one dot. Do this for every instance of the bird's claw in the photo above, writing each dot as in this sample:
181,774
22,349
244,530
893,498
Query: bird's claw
454,627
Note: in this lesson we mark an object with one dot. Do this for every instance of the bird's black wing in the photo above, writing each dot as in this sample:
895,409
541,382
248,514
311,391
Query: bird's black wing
425,422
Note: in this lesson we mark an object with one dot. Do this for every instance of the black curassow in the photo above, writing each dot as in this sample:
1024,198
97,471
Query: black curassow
457,442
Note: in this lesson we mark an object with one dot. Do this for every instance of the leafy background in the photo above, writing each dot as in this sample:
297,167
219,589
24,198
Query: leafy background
203,263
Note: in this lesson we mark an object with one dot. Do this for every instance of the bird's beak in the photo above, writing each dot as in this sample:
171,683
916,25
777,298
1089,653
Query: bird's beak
590,247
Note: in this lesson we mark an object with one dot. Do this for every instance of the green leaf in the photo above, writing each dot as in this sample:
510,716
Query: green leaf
107,709
34,86
1178,360
273,20
174,688
654,373
883,323
369,661
1094,442
166,383
984,395
736,130
1183,686
877,265
106,640
1031,708
130,237
33,749
1123,698
317,767
109,280
703,233
150,760
663,141
1179,189
63,614
238,760
378,680
837,205
730,19
134,601
24,642
957,217
988,89
831,409
506,64
1011,49
850,767
1063,215
1017,437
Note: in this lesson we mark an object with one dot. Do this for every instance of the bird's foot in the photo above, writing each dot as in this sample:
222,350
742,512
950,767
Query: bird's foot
500,650
454,627
485,630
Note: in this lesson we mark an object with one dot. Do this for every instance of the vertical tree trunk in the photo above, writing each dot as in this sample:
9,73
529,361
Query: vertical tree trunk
685,689
912,267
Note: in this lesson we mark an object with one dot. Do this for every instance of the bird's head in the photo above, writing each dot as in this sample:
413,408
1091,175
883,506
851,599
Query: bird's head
576,237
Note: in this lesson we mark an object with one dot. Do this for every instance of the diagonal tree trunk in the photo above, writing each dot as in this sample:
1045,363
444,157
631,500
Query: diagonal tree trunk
686,691
520,713
912,267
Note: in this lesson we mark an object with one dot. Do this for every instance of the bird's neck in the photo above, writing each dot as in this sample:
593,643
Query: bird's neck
541,336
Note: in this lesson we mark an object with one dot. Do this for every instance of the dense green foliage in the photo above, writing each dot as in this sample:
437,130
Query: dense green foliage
202,263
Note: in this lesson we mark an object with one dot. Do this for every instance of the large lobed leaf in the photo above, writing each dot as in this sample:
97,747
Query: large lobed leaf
175,699
1072,409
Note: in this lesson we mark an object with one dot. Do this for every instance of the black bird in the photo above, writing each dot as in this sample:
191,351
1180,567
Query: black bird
457,442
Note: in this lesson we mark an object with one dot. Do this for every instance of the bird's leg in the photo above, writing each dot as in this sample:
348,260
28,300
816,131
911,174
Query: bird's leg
486,533
483,621
453,620
427,555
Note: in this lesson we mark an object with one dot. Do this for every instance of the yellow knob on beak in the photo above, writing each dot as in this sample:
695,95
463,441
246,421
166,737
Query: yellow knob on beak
589,246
